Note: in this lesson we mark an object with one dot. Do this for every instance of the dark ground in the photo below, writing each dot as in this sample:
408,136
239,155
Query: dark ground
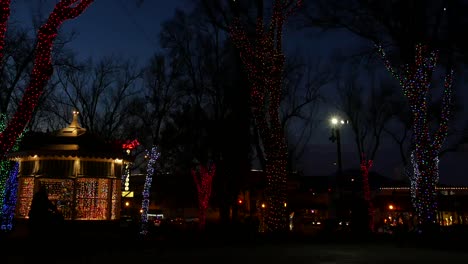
112,244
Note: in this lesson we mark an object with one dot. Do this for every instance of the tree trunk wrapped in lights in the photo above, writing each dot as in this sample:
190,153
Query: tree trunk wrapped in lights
365,167
203,177
9,196
42,68
415,79
152,156
263,59
8,185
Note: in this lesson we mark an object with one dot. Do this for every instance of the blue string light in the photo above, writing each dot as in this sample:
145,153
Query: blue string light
153,155
9,202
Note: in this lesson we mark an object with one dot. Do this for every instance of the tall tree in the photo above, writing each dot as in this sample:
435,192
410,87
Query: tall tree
301,97
213,108
41,71
421,31
263,59
367,116
42,68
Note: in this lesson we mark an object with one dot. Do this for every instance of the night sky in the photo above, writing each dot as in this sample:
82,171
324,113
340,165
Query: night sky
122,28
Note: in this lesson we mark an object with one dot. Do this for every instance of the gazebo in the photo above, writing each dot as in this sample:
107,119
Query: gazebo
82,173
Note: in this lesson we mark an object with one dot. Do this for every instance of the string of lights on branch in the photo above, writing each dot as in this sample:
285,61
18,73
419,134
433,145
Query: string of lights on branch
4,15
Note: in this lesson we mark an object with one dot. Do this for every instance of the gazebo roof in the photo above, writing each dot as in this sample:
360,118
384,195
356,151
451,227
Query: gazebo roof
71,141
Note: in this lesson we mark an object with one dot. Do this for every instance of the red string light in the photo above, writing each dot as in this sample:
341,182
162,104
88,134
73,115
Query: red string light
263,60
203,178
365,168
42,68
4,15
129,145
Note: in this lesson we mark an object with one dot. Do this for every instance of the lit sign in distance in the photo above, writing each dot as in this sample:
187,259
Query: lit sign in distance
127,194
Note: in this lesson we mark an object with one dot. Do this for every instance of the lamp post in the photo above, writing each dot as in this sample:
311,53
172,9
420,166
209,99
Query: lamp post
336,124
335,137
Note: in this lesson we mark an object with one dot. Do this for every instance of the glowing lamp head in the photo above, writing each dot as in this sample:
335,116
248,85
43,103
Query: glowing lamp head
391,207
239,201
127,204
263,205
334,121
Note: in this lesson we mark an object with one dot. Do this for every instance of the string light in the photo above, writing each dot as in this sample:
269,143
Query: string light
415,80
128,146
437,188
414,178
42,66
203,178
263,60
4,15
365,167
10,197
153,155
8,184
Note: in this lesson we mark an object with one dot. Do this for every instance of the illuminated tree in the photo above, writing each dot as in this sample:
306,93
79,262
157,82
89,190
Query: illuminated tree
365,167
152,156
263,59
9,195
418,30
8,185
42,67
203,177
415,80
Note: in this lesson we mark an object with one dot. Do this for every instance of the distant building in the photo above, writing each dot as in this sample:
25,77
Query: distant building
81,172
314,200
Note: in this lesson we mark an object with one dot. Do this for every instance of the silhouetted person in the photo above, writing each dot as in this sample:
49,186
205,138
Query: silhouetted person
41,213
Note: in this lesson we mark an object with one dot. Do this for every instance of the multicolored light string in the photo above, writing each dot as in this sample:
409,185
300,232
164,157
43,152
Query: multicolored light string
153,156
415,80
42,67
8,184
10,197
414,179
263,60
203,177
365,167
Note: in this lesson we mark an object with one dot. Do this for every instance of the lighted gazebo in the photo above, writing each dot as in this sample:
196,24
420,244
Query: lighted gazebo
81,172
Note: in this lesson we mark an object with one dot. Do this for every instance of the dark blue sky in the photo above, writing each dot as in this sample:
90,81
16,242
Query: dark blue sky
120,27
109,27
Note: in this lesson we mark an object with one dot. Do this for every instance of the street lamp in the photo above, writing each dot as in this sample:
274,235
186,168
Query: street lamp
336,124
